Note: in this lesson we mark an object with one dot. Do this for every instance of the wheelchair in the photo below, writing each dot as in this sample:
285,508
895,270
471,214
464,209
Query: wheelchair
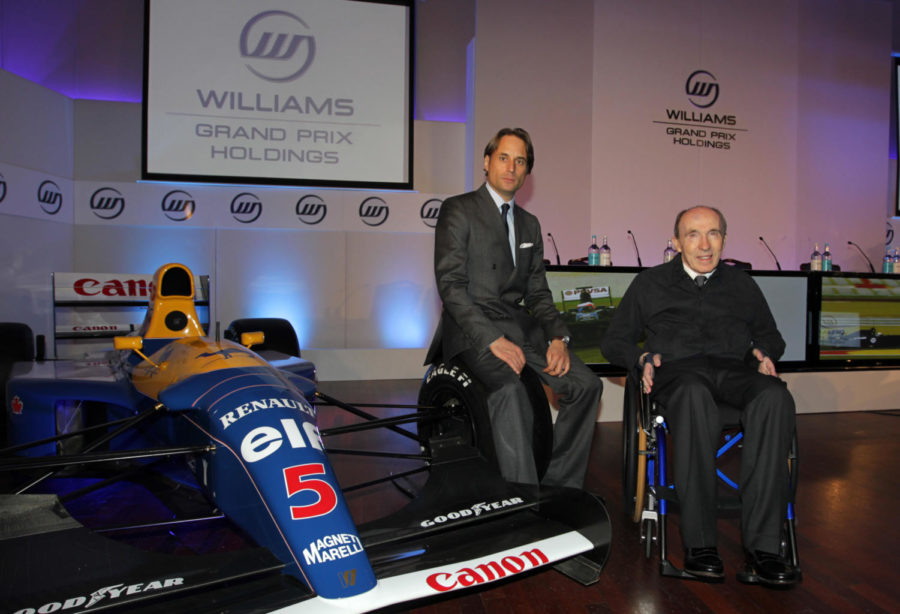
647,491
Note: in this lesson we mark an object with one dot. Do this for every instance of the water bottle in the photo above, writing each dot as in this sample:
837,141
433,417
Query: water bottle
815,259
605,254
594,252
669,252
895,261
887,264
826,258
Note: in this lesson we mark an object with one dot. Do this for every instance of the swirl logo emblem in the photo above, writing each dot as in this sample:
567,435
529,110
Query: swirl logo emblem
107,203
178,205
50,197
429,211
311,209
373,211
277,46
702,89
246,207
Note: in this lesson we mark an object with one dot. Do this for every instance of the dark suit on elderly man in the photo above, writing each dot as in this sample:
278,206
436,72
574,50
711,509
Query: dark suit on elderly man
486,295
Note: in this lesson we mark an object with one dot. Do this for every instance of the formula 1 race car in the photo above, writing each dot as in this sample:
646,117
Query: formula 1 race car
112,464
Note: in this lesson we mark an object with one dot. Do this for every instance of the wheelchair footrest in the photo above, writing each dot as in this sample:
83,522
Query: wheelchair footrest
667,569
748,576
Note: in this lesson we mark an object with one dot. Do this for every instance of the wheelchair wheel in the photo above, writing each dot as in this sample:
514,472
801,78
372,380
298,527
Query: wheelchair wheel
634,458
450,386
279,334
647,529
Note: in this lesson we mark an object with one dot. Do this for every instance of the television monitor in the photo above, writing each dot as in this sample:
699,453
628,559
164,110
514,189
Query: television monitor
301,92
588,296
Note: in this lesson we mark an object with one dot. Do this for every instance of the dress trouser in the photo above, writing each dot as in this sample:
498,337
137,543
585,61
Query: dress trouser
512,419
688,390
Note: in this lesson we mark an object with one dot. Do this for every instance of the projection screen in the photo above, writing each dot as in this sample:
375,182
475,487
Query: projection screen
304,92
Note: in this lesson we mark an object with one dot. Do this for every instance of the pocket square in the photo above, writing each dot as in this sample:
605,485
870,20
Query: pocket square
525,245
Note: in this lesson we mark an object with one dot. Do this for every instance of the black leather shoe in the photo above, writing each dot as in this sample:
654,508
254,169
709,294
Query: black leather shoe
704,563
767,568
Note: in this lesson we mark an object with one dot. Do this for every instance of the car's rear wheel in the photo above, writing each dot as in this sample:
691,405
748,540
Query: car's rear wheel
451,387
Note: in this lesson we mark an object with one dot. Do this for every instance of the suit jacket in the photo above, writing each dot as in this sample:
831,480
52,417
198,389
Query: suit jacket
484,295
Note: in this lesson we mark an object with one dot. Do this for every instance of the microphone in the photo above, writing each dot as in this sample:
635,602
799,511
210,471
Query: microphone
637,253
552,240
859,249
774,257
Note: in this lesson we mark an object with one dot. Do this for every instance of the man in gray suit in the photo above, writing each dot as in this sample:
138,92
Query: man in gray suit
499,315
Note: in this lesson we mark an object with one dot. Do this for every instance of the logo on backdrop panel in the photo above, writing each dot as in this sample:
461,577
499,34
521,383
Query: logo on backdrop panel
373,211
700,126
429,211
178,205
702,89
311,209
246,207
50,197
277,46
107,203
2,188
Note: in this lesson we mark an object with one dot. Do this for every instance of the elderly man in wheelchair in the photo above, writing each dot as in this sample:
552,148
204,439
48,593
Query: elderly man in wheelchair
709,339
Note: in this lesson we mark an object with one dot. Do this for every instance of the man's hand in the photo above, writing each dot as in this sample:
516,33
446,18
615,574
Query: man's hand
766,366
557,358
650,365
508,352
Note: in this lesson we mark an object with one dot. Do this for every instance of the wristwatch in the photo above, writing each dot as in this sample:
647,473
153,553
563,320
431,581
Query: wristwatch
565,340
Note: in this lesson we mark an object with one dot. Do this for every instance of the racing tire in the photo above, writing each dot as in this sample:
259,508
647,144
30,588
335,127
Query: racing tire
449,385
279,334
634,458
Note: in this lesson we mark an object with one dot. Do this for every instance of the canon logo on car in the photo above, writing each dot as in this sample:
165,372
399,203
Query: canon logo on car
475,510
98,327
488,571
113,287
115,591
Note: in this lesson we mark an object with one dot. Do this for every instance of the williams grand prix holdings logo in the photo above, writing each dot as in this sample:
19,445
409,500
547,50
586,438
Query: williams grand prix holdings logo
429,211
702,89
50,197
701,127
277,46
107,203
311,209
373,211
246,207
178,206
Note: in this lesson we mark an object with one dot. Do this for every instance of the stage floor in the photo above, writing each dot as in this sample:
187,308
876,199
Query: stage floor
848,543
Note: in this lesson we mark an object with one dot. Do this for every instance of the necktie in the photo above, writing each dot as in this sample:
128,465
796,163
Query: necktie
504,210
700,280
